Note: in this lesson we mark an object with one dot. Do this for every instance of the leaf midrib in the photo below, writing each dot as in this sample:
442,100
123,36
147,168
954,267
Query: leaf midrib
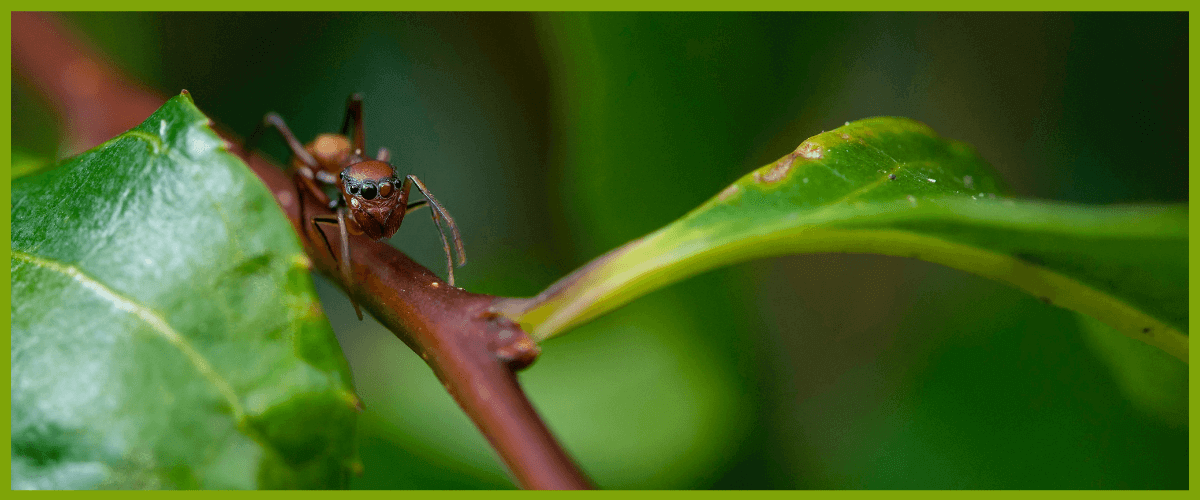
151,317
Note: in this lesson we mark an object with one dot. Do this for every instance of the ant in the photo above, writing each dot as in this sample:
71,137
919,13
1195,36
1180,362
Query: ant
371,198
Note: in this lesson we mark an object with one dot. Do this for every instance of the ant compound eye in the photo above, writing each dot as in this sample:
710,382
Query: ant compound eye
385,189
368,191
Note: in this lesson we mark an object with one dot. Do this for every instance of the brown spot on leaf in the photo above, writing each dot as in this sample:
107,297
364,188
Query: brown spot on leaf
810,150
727,192
778,172
1045,299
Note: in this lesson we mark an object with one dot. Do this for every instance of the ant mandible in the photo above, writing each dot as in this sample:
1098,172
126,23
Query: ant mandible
371,199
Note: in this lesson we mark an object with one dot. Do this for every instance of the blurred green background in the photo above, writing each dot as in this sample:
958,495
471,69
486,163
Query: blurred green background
553,138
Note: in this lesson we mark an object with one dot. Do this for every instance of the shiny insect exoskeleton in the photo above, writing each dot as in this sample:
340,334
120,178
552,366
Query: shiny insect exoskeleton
371,198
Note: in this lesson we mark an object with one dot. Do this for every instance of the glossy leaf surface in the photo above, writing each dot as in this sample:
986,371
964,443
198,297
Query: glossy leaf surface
165,332
892,186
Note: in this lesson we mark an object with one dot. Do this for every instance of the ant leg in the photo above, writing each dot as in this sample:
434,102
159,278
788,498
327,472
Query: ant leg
341,219
439,213
354,114
304,175
414,206
344,261
383,155
274,120
437,207
327,219
303,184
445,247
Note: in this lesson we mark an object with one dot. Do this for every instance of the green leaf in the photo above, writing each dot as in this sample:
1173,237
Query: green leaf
1144,375
891,186
165,331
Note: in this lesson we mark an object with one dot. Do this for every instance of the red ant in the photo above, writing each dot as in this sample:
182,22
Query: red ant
370,200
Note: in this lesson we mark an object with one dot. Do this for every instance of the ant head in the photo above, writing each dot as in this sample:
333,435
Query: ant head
372,191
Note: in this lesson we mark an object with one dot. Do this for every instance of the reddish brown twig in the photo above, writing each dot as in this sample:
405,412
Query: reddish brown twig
475,354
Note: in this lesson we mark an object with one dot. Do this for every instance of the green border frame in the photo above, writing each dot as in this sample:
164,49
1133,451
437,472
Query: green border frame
658,5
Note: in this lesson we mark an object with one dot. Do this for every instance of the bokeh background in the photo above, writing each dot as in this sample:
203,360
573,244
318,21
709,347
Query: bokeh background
553,138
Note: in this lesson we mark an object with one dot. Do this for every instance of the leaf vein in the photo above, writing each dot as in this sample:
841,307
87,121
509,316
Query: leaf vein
157,146
156,143
152,318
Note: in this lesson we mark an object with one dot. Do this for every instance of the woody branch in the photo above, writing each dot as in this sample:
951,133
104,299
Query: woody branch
474,353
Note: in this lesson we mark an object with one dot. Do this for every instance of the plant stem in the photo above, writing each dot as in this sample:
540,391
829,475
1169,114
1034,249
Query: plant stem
473,352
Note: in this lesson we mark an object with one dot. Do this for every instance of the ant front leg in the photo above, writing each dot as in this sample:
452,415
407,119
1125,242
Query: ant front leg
438,212
414,206
354,114
304,177
274,120
344,260
305,183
